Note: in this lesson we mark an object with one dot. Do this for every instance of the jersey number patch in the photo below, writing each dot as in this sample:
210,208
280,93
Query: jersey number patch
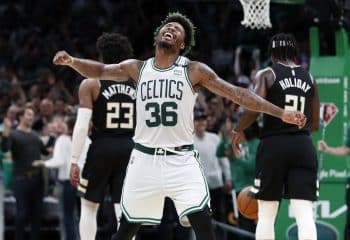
294,103
161,114
113,113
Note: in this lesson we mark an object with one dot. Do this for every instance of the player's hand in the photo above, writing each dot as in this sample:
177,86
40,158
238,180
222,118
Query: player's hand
62,58
236,138
292,117
322,145
74,174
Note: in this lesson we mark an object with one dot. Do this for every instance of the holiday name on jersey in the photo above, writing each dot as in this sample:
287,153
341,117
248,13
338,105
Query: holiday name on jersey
294,83
161,88
119,89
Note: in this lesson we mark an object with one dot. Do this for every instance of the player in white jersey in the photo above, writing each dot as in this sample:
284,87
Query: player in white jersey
163,162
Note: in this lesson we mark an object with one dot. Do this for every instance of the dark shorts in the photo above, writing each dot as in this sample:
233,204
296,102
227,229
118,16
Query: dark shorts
105,168
286,167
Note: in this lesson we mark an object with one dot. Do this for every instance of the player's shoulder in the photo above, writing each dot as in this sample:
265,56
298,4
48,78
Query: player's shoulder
89,82
132,62
196,66
89,85
265,74
265,71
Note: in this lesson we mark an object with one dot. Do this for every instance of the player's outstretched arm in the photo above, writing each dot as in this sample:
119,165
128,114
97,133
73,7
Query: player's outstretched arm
81,127
123,71
201,74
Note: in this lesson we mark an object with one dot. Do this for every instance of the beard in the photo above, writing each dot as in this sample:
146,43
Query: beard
164,45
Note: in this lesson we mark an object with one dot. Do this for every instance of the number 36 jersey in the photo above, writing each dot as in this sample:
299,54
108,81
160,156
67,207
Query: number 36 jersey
293,90
114,111
165,102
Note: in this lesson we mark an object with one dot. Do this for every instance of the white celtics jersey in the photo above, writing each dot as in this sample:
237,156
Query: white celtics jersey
164,105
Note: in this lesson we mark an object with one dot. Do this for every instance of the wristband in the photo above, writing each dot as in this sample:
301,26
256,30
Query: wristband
71,60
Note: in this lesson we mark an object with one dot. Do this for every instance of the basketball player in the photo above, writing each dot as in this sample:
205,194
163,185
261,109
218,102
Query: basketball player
286,161
111,105
163,162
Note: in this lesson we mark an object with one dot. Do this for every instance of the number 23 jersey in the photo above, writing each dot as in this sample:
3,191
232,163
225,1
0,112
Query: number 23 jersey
165,102
293,90
114,111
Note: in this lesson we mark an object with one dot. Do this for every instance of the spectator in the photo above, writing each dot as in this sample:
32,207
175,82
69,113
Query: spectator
25,147
340,151
11,115
46,114
61,160
214,168
242,166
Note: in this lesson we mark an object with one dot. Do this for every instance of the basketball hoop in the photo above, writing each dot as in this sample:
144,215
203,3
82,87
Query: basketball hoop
256,14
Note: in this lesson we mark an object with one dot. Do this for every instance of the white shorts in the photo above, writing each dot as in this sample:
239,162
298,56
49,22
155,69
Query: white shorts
151,178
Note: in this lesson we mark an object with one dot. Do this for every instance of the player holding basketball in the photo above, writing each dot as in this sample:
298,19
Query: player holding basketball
286,161
111,106
163,162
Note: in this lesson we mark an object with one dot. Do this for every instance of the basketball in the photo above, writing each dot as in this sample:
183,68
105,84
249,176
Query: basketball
247,205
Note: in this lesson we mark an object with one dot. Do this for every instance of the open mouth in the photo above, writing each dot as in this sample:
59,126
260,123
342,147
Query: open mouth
168,36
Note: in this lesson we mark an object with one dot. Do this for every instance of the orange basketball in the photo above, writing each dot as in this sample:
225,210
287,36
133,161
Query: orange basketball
247,205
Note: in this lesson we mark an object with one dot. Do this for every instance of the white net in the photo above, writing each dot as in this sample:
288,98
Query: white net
256,13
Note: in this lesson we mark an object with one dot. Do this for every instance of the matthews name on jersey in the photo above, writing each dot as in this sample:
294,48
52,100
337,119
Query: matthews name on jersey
114,110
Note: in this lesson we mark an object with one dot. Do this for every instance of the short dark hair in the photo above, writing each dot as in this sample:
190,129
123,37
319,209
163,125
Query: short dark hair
114,47
22,110
283,47
188,26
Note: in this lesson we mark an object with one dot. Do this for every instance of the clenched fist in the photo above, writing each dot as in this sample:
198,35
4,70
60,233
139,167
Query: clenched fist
296,118
62,58
74,174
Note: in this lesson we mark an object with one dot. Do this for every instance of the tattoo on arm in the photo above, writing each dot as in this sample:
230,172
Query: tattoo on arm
253,102
241,96
88,68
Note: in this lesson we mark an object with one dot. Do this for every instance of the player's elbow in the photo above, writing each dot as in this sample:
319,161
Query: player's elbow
314,126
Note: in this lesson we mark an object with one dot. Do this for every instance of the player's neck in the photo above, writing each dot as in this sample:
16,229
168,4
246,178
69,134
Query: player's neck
286,62
165,58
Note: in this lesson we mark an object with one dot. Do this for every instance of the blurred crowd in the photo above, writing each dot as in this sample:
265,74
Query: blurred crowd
32,31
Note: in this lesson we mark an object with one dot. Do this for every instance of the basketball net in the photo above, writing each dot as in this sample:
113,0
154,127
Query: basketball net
256,14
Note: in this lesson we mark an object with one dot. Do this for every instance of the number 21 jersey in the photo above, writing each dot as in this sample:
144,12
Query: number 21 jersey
293,90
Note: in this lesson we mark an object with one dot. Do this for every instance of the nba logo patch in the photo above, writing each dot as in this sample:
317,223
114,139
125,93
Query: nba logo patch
327,113
177,72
